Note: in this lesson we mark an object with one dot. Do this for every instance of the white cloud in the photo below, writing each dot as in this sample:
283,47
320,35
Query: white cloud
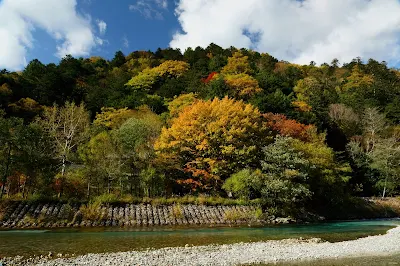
125,42
20,18
162,3
298,31
150,9
102,26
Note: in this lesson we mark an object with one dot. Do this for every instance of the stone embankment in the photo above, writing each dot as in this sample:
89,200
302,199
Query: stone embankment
52,215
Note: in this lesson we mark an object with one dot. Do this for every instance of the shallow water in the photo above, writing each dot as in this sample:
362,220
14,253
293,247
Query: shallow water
98,240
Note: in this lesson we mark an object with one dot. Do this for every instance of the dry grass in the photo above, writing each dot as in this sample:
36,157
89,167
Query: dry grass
390,204
177,212
91,211
366,208
235,215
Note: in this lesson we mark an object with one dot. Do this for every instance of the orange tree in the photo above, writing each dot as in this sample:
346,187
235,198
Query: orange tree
210,140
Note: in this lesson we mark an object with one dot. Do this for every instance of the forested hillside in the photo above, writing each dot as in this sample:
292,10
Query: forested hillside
213,121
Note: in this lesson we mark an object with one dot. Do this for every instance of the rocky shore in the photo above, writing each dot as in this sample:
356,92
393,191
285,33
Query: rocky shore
237,254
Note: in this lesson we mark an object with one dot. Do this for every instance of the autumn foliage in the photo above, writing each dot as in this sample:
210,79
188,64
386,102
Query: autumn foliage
210,140
172,122
209,77
148,77
242,85
237,64
289,127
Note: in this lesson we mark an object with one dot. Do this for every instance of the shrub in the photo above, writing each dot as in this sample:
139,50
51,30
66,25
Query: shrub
159,201
201,200
177,212
127,198
259,214
272,211
235,215
91,211
35,198
243,183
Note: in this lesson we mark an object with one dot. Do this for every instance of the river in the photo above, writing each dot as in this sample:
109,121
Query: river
100,240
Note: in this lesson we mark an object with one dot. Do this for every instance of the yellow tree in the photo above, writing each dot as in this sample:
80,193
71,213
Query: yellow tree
358,87
149,76
5,94
180,102
242,85
210,140
26,107
5,90
172,68
305,89
237,64
357,79
113,118
236,75
144,80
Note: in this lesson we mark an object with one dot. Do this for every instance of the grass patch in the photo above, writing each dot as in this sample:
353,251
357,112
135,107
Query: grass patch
112,199
235,215
91,211
177,212
195,200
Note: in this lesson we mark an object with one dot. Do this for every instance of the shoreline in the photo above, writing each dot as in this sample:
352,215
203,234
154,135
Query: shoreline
31,215
289,250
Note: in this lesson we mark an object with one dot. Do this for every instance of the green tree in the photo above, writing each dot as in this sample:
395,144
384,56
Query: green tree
377,150
9,131
102,155
282,181
136,138
66,126
118,60
286,173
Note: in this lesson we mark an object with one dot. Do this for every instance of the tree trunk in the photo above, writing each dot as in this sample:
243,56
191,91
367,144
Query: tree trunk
88,189
63,166
384,187
62,176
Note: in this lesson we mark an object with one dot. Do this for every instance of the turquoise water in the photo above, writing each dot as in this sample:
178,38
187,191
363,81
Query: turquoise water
82,241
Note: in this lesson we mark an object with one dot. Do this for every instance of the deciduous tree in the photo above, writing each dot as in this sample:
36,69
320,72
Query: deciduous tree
66,126
210,140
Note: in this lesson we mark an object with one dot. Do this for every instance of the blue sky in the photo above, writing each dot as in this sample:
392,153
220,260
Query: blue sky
127,29
291,30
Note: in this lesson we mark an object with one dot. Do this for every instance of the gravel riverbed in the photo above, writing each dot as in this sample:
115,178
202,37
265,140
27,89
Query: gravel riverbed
237,254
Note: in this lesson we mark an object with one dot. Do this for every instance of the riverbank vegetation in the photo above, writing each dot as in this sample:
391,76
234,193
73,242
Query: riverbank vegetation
231,124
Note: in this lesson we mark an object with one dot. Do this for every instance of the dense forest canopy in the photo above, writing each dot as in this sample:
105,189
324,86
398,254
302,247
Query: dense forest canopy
207,121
